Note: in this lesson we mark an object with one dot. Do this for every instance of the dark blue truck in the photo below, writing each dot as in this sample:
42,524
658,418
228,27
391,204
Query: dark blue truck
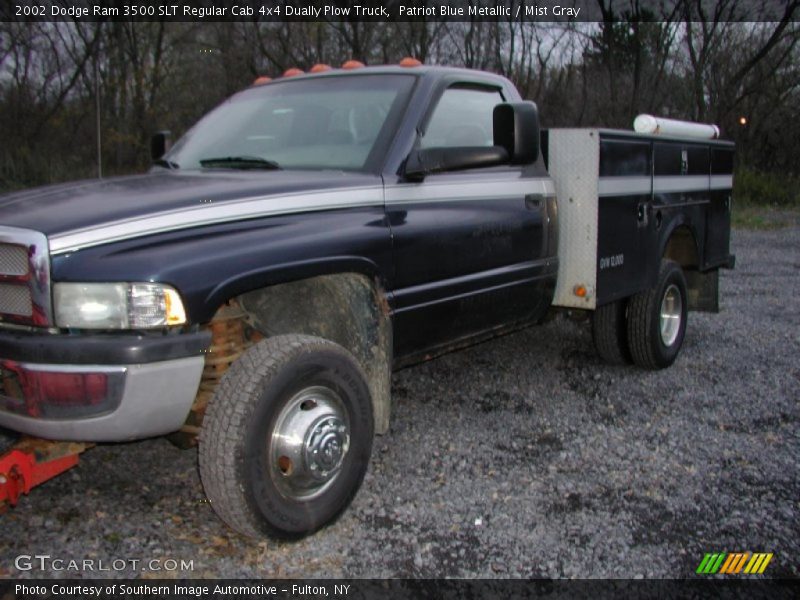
258,286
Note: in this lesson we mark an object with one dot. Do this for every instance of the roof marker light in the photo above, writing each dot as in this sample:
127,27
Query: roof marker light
352,64
320,68
292,72
410,61
262,80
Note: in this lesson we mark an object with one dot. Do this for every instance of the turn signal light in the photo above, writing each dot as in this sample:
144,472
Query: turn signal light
176,314
580,291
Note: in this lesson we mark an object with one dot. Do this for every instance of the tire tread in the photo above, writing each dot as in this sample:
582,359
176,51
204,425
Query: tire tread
609,333
642,308
231,408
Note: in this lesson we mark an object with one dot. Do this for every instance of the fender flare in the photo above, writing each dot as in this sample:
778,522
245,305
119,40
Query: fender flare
677,222
285,273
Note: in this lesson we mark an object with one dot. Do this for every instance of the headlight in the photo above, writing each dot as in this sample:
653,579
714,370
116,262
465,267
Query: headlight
117,305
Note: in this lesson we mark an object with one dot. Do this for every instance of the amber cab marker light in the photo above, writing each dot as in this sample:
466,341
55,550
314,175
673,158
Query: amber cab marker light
353,64
320,68
262,80
579,291
410,61
292,72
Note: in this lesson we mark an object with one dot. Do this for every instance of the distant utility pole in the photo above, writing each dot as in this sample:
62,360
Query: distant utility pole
97,110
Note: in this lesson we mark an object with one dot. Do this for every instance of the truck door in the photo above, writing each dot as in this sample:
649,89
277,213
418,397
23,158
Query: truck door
466,244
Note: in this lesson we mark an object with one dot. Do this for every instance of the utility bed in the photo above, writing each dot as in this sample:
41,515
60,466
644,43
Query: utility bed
621,196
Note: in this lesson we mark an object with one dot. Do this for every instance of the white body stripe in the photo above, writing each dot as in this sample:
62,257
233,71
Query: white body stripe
208,214
478,189
662,184
285,204
721,182
666,184
624,186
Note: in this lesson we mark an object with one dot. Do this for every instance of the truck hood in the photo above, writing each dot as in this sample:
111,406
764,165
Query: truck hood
137,204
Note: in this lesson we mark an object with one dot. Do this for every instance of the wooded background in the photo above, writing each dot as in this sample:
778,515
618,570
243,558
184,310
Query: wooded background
58,80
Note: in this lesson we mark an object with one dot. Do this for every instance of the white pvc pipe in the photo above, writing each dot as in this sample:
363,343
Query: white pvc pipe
659,125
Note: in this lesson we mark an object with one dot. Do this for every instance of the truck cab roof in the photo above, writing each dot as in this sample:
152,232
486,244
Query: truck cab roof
432,72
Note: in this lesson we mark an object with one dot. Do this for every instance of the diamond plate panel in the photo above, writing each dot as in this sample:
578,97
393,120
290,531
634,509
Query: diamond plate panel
574,164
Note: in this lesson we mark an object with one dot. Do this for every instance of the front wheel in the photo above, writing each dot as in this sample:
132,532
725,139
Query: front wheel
657,319
287,437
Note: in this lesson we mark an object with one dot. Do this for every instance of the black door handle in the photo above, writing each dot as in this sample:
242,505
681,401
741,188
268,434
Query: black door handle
533,201
642,211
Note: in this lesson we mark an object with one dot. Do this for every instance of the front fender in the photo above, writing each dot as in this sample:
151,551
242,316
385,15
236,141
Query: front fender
211,264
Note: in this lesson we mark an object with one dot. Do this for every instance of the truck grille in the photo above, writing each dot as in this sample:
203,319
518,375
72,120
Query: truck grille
13,260
24,277
15,300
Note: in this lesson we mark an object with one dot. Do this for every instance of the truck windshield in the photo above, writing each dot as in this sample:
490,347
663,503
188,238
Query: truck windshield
339,122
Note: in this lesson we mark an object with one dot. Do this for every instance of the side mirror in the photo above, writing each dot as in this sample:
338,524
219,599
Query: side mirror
516,128
159,144
436,160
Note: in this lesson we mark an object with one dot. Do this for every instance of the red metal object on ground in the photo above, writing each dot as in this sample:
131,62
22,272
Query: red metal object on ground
32,462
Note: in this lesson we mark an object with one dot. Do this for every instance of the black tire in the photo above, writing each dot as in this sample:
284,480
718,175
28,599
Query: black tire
268,389
609,333
648,346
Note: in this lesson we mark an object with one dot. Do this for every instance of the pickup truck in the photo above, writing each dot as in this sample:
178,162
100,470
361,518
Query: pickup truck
256,288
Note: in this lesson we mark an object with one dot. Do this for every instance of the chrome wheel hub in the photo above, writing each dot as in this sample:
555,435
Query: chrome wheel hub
309,443
671,314
326,445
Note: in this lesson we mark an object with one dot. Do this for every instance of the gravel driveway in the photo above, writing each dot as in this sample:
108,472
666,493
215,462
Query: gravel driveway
522,457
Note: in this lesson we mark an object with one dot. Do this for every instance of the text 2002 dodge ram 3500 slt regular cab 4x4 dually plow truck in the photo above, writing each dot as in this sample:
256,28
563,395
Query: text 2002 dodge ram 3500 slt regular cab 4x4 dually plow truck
309,235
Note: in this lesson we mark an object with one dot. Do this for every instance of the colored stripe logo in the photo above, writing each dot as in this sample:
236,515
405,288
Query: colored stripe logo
734,563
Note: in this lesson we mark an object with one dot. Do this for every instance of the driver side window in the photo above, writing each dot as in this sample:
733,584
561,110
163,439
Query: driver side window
463,117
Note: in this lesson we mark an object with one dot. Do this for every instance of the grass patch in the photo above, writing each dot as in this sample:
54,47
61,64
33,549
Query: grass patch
757,188
763,217
765,200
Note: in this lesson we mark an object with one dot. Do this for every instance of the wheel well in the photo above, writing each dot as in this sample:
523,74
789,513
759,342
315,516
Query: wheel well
702,288
348,309
682,248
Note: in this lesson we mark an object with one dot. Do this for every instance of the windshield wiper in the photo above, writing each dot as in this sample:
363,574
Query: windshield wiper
240,162
167,164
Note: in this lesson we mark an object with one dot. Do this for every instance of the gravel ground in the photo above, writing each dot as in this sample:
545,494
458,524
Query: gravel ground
522,457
